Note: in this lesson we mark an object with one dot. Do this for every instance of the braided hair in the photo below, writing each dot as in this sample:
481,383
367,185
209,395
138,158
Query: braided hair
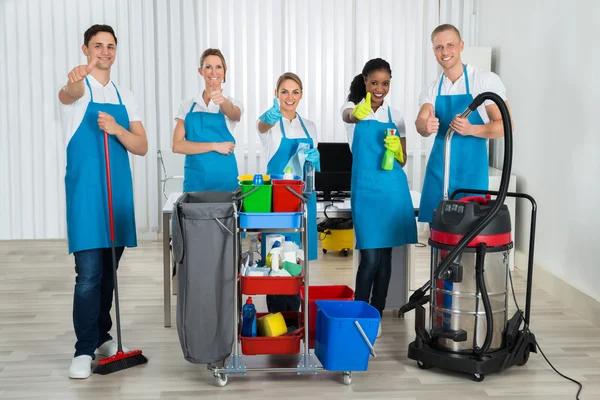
358,89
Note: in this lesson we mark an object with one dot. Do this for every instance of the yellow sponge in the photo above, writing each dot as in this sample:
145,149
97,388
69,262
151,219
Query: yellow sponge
271,325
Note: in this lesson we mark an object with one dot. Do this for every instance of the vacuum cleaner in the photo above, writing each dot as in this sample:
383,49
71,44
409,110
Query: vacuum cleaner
469,330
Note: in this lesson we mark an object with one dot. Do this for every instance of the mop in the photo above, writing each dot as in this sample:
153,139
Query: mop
120,360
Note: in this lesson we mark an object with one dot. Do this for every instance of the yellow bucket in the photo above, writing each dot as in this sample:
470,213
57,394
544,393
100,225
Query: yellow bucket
337,240
250,177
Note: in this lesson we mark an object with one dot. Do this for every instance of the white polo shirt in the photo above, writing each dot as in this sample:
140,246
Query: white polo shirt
201,106
72,114
271,139
380,115
480,81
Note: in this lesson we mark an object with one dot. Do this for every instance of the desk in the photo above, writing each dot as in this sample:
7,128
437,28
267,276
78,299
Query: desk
402,256
167,212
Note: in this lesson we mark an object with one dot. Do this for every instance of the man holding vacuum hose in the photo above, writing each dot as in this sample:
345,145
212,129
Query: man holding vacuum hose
90,105
440,106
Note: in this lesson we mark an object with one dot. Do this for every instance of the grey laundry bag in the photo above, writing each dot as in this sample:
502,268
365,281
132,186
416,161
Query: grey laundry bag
203,228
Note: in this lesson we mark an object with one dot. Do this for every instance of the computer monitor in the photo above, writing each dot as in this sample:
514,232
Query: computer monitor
333,181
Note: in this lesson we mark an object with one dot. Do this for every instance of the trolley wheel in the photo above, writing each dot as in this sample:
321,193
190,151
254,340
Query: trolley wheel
345,252
347,377
525,357
221,379
324,251
422,365
478,377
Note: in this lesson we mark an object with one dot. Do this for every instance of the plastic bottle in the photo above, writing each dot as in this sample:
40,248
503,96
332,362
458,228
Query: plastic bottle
388,156
258,179
249,319
288,173
253,254
309,178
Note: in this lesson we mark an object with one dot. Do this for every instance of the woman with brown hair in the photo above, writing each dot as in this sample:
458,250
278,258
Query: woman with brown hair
282,131
204,131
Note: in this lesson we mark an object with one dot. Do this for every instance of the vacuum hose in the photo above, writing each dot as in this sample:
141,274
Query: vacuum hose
483,222
487,306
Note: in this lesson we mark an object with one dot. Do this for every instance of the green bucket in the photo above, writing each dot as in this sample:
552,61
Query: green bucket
259,200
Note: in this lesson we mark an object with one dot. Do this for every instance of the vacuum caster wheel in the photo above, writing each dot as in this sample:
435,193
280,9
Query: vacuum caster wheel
422,365
525,357
345,252
347,377
478,377
324,251
221,379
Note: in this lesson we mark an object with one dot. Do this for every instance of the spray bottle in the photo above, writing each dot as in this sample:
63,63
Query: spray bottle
388,156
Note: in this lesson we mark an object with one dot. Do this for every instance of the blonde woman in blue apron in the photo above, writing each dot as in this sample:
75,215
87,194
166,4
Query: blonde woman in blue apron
282,130
382,208
452,93
204,131
91,104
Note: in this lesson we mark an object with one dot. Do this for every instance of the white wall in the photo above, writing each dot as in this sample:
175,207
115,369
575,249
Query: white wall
548,59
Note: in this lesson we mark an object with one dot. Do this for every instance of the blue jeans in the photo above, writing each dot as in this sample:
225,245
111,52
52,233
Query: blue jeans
92,301
373,277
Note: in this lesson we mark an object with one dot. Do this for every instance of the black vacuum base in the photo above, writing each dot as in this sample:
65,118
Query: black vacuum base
477,366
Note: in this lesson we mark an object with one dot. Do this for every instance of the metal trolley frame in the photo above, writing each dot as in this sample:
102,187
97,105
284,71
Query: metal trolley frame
235,364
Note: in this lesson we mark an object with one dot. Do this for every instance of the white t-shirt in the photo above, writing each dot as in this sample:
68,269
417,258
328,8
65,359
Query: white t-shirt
72,114
293,130
479,81
201,106
380,115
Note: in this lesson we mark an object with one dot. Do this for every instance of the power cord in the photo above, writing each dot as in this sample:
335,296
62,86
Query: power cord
538,345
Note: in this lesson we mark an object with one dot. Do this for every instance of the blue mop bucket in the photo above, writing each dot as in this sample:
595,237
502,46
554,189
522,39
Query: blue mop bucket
346,333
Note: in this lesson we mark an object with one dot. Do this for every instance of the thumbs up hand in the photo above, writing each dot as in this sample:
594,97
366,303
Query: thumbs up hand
362,110
79,73
216,94
272,115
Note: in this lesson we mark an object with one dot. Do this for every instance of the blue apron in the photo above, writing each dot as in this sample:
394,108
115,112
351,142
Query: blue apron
468,155
211,170
382,208
287,149
85,183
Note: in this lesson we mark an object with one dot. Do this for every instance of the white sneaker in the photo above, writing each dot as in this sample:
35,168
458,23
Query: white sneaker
81,367
109,348
379,330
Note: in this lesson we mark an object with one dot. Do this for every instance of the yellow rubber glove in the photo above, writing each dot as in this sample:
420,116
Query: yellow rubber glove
399,155
392,143
362,110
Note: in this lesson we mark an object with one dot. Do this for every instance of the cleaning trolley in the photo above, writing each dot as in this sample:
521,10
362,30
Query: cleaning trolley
279,205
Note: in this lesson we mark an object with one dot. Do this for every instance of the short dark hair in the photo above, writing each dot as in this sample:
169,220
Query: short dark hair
94,30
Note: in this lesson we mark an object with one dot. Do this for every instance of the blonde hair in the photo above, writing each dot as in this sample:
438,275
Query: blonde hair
444,28
215,52
288,75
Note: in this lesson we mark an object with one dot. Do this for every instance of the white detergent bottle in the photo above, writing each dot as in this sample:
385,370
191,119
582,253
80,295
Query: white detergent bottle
288,174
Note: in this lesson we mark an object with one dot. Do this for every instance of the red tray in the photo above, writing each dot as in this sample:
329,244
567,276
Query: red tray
285,344
288,285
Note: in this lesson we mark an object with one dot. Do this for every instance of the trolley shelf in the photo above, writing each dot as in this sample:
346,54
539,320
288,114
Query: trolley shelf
274,220
257,285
